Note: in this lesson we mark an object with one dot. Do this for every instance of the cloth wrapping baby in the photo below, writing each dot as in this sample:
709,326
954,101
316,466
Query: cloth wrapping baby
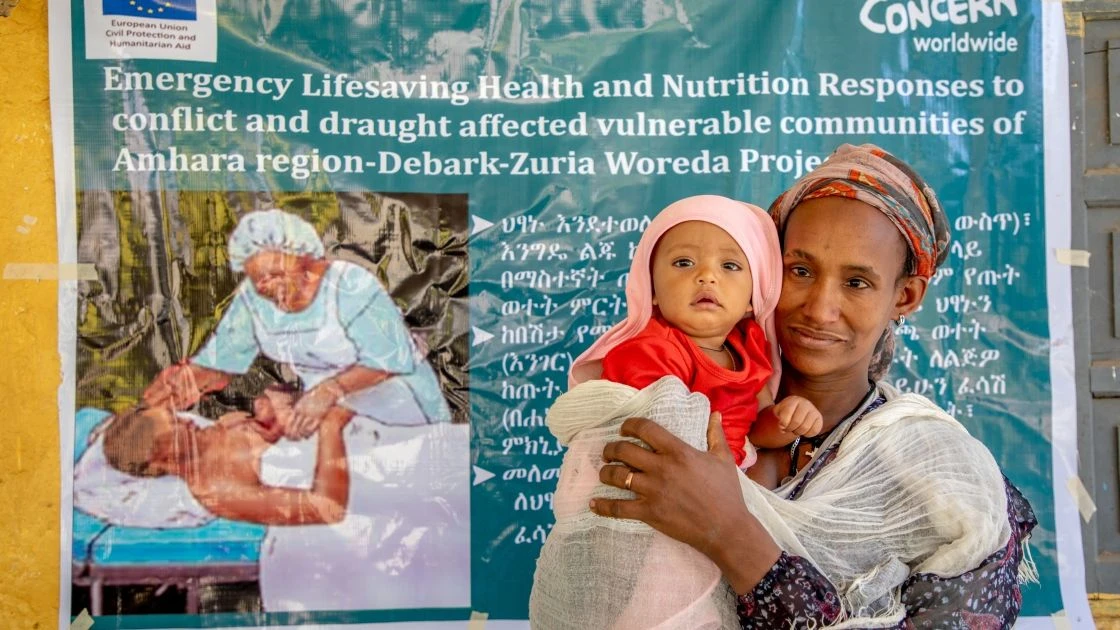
596,572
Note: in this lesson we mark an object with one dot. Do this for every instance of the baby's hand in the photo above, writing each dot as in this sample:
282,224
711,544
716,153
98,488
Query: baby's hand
798,416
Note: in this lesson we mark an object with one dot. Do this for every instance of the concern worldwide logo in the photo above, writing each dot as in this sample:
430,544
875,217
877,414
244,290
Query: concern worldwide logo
901,16
158,9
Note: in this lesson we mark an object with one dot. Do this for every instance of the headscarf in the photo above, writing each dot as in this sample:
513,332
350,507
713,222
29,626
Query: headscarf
272,230
882,181
751,229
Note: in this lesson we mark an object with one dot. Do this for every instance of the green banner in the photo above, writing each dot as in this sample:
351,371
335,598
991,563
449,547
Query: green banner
493,165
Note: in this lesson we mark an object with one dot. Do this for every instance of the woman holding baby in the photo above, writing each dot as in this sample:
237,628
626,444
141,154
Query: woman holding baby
891,516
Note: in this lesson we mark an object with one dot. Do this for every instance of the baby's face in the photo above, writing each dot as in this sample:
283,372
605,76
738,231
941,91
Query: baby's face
702,282
273,412
273,402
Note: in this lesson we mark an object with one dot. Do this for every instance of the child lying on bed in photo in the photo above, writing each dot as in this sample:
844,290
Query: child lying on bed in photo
221,463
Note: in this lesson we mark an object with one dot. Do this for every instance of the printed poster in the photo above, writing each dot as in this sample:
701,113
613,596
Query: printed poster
456,189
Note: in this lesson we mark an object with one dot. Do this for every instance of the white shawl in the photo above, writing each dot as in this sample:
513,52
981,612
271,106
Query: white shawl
909,491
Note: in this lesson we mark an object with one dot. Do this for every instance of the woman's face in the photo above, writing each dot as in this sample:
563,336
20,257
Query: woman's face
279,278
841,287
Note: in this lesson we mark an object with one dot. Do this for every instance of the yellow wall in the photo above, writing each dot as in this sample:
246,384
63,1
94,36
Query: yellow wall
29,368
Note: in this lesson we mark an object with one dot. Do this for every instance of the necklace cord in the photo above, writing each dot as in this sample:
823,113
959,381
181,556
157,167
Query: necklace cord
722,349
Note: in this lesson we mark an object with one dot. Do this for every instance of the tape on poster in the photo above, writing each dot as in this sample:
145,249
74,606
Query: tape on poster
82,622
478,620
1073,257
47,271
1074,19
1082,498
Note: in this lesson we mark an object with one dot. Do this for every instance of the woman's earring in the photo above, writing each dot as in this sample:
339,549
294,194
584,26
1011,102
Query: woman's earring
901,319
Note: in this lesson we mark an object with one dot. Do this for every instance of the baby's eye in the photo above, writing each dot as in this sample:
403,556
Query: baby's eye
682,262
732,266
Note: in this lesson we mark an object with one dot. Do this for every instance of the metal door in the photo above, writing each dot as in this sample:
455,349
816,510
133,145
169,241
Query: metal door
1094,57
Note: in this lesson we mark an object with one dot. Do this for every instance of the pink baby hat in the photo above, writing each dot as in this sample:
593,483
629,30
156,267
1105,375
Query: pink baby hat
751,228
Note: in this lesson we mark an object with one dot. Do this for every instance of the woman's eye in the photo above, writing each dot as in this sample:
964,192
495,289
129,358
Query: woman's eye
799,271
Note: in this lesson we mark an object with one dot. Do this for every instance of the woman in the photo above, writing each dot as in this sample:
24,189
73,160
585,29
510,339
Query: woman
329,320
895,516
404,542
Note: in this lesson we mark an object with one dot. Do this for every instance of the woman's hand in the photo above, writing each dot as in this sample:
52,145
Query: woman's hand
681,492
312,407
690,495
175,386
182,385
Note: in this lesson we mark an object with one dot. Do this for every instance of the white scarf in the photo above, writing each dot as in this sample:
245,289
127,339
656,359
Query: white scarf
908,491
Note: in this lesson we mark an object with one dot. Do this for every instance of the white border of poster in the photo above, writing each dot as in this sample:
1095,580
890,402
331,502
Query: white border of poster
1058,236
1063,386
61,70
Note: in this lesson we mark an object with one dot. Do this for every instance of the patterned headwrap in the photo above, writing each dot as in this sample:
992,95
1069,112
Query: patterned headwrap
882,181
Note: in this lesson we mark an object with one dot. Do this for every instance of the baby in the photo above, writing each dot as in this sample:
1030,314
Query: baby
701,293
221,463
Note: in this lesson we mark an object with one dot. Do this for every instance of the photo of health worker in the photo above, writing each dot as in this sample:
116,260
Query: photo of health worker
310,453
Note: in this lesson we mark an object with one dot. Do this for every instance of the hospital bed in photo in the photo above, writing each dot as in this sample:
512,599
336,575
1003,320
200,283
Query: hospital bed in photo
106,555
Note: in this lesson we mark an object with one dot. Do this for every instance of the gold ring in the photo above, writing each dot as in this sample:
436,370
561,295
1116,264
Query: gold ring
629,480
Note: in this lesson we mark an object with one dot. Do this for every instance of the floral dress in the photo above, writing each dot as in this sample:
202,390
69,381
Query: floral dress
794,594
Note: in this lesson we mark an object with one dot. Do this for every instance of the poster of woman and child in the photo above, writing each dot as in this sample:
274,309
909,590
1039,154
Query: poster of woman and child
373,296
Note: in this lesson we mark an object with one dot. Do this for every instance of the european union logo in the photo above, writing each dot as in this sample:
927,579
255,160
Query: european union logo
161,9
